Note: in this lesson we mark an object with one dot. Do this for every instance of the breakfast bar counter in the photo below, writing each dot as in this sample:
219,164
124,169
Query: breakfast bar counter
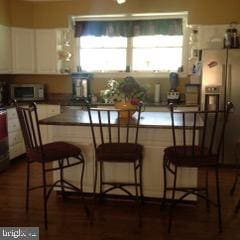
154,134
148,119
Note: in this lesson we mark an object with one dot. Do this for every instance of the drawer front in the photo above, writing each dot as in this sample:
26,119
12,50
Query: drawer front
13,125
15,137
156,109
187,109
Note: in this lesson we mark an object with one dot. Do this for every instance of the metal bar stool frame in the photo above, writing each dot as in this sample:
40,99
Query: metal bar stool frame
107,132
39,153
237,175
193,155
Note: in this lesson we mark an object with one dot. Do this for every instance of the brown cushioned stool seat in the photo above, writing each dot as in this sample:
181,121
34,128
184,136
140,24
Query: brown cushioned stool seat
54,151
190,157
122,152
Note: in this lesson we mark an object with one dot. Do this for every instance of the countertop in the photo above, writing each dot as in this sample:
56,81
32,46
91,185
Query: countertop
148,119
149,104
65,105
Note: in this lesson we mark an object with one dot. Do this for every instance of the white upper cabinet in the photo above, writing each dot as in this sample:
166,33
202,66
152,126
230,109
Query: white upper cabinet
46,51
211,36
40,51
5,49
23,50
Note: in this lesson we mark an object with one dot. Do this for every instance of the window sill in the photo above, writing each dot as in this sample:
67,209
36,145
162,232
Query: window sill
135,74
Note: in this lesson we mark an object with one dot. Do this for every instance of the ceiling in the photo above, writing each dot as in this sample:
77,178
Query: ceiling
47,0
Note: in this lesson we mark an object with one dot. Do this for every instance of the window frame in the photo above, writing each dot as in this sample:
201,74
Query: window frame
137,16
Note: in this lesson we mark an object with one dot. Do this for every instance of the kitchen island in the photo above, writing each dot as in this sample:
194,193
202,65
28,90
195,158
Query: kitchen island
154,134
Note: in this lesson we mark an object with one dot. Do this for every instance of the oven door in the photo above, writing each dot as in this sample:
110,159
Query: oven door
4,151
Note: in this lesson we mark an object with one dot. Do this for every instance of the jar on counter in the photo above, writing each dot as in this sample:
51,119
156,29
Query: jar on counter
227,38
231,38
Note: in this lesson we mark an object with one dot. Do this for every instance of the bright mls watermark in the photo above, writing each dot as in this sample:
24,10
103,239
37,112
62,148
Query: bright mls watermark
7,233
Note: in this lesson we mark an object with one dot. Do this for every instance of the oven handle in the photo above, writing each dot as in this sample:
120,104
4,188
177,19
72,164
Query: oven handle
3,124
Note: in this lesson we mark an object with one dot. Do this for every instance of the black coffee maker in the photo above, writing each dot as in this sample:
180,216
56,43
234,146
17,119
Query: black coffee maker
173,95
81,82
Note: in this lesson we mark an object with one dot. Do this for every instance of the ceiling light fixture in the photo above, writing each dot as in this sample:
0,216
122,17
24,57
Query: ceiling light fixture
120,1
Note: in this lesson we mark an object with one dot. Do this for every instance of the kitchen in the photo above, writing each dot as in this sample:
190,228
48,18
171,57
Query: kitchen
28,66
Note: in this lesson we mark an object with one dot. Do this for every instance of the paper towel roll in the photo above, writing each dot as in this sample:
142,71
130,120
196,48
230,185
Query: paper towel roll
157,93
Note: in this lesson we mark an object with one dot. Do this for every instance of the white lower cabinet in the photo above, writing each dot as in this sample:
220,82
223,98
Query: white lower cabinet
44,111
166,108
15,138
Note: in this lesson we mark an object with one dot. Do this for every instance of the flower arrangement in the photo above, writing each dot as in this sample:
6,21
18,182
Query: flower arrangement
126,90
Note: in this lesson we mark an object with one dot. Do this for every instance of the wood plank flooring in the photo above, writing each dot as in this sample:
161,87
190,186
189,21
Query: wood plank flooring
114,220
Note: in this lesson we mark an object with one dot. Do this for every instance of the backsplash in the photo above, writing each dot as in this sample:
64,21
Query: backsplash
59,86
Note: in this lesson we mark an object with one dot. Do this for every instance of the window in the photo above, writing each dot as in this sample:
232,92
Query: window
103,53
157,53
141,52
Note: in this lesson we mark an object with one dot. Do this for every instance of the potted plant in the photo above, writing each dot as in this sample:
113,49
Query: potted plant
125,94
126,90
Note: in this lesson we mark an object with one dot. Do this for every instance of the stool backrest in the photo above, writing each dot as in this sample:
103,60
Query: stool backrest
108,125
199,133
28,119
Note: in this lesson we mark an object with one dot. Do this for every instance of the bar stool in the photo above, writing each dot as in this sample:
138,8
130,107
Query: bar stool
47,154
195,146
115,140
237,175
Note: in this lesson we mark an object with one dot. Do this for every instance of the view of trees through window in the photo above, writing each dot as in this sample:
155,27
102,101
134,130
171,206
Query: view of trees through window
144,53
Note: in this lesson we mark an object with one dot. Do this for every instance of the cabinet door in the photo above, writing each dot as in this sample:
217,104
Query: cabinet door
42,113
51,111
46,51
5,49
45,111
16,150
23,50
15,138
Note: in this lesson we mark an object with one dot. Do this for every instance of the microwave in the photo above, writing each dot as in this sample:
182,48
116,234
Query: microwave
27,92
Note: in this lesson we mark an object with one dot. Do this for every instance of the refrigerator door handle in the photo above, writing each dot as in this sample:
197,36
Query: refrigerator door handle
229,82
224,85
223,74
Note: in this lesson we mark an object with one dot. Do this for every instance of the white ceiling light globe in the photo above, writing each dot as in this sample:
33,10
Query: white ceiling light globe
121,1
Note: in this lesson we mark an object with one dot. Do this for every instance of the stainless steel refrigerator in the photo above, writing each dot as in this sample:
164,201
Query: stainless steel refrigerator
221,83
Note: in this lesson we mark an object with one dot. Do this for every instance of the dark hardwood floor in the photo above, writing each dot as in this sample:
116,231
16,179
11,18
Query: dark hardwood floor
114,220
